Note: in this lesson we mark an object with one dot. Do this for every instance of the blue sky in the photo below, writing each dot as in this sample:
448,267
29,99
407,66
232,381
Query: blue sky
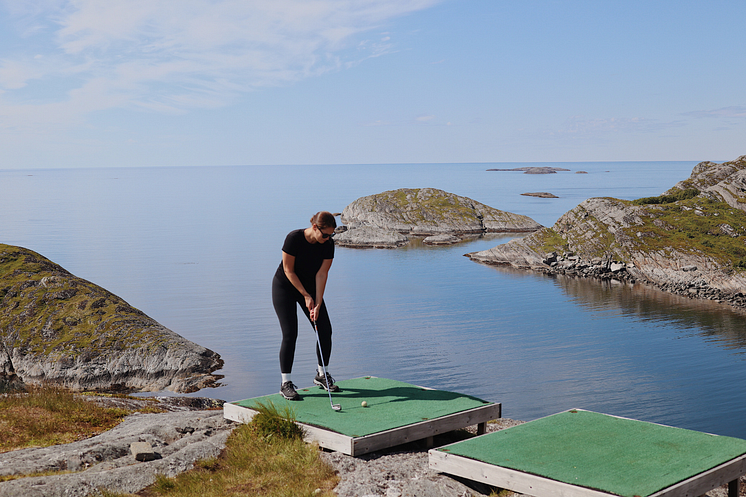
94,83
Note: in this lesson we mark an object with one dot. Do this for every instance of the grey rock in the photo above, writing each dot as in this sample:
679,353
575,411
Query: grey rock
142,451
727,229
405,472
446,239
75,334
618,230
534,169
105,461
361,236
615,267
429,211
540,195
398,474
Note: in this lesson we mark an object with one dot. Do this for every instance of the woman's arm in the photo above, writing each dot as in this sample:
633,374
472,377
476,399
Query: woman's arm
321,277
288,265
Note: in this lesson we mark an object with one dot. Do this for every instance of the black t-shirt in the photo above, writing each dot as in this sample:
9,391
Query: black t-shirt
308,257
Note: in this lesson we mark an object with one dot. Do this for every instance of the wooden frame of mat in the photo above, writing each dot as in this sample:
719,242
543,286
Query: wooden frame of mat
355,446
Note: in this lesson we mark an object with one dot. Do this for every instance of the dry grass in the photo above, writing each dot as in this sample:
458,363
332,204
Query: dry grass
47,416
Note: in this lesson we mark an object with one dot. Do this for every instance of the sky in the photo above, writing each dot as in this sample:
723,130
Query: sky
133,83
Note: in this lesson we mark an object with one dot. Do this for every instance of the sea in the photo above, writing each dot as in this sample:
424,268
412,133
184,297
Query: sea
196,248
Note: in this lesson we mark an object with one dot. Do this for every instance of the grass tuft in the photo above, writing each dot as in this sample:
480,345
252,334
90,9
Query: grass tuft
265,457
274,422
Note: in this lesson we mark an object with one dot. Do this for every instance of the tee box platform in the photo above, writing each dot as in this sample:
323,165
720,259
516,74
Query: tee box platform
587,454
396,413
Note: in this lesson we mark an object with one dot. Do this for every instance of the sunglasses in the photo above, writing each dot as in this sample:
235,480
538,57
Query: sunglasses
325,235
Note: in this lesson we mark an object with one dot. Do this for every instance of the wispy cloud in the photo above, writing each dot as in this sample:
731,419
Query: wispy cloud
582,126
732,112
428,119
175,55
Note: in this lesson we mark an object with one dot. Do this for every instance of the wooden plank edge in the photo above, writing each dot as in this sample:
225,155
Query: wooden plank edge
511,479
325,438
702,483
527,483
238,413
425,429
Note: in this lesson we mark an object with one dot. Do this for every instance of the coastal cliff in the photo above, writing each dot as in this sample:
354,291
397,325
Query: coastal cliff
691,240
388,218
56,328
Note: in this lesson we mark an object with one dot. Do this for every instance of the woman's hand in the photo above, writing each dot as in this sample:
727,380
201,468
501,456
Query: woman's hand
315,312
311,306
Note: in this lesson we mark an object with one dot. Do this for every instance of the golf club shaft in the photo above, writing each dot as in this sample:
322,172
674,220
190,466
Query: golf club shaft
323,366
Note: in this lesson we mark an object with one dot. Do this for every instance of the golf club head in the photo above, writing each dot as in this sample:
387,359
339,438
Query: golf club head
336,407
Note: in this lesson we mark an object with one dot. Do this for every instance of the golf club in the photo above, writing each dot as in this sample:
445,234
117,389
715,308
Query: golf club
336,407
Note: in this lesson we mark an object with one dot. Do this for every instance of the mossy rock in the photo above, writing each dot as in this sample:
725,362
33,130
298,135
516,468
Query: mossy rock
58,328
429,211
701,223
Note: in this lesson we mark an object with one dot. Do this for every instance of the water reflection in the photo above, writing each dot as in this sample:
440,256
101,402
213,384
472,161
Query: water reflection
719,323
627,350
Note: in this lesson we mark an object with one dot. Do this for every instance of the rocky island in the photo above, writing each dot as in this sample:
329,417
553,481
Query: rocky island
540,194
689,241
387,219
534,169
56,328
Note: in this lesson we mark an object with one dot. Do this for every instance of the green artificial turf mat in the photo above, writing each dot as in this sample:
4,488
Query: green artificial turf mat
391,404
621,456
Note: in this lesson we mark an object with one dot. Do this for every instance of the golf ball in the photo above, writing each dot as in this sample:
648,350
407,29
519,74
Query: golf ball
364,404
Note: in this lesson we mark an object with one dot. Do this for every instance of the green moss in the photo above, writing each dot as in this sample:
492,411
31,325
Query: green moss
667,199
698,226
431,208
46,310
547,240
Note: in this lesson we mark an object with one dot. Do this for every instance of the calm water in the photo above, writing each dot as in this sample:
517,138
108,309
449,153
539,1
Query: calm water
195,248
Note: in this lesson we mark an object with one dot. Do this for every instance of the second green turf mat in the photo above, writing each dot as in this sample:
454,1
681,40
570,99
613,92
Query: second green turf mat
597,451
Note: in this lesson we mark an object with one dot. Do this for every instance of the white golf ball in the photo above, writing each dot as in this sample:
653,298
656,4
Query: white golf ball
364,404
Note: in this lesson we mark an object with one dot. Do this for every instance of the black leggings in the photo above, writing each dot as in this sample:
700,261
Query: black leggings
285,298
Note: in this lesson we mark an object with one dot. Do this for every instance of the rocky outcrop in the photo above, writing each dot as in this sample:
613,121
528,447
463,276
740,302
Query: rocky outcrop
177,440
690,241
540,195
58,329
425,212
534,169
369,237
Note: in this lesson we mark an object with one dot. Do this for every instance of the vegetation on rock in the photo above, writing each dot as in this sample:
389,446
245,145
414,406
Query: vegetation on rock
264,457
57,328
46,416
667,199
429,211
690,240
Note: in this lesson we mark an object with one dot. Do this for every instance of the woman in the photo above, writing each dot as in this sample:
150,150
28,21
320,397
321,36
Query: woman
301,279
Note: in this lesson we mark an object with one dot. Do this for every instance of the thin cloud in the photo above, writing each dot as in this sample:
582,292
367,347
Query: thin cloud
581,126
176,55
732,112
425,119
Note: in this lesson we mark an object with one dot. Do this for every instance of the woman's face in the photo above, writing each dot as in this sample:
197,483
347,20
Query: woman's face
323,234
